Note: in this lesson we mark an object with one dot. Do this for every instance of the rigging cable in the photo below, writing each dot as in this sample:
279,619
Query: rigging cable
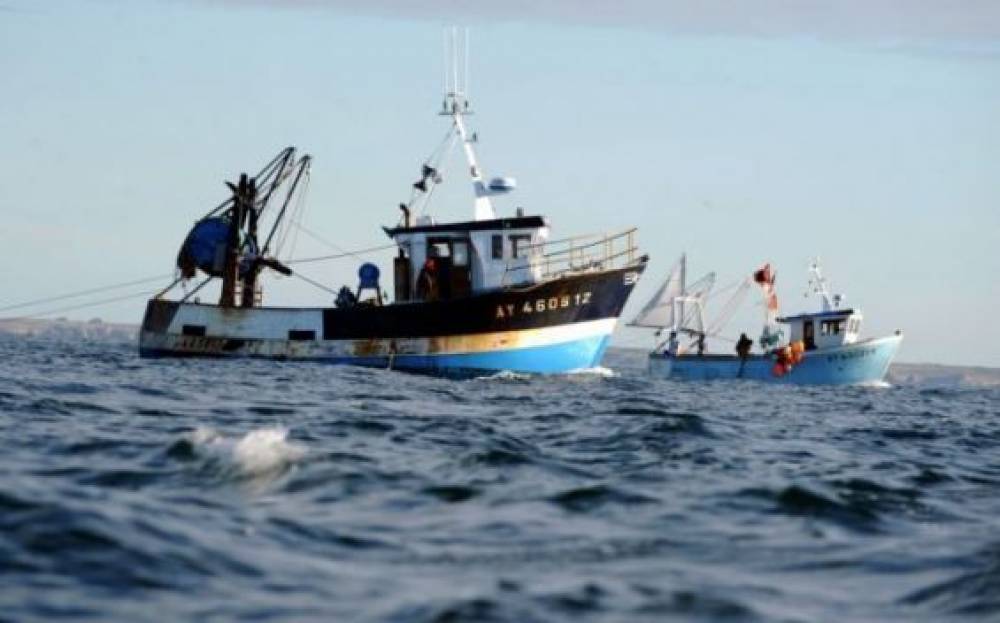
201,285
729,308
320,239
338,256
434,160
72,295
299,213
312,282
294,216
115,299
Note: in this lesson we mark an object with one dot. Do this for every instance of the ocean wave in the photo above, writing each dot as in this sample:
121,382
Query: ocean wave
324,493
599,371
504,375
588,498
875,385
258,453
973,593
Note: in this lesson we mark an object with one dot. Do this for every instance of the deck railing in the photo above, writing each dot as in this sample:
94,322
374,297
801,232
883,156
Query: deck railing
578,254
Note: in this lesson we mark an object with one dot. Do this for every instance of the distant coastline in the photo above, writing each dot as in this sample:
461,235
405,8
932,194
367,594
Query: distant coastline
924,374
939,375
62,328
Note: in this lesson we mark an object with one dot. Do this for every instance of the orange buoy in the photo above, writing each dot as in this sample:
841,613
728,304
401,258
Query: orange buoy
798,347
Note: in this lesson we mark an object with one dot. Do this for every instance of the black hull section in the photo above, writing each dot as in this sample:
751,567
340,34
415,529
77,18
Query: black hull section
577,298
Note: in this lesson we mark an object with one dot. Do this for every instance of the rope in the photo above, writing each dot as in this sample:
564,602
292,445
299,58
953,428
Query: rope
435,160
73,295
173,283
298,212
115,299
338,256
201,285
315,283
721,291
730,307
321,239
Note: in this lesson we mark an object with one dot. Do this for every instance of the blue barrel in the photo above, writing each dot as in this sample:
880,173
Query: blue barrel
368,276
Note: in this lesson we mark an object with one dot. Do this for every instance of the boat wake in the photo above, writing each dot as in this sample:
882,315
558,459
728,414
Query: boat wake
880,384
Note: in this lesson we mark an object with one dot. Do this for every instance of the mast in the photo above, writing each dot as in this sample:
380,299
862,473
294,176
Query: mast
245,259
456,106
679,301
242,203
250,259
821,287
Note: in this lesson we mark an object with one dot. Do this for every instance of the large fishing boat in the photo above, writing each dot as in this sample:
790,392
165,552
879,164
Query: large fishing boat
822,348
488,294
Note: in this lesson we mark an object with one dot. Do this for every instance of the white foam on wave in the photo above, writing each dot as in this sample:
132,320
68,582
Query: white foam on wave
510,375
504,375
876,385
259,452
600,371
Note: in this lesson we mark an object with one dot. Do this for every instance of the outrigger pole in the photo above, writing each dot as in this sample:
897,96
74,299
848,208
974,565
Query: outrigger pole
238,250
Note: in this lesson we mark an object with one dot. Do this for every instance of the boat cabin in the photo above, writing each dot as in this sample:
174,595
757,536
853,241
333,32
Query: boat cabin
442,261
826,329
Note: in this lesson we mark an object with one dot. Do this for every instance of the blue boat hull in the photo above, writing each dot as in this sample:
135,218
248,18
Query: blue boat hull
561,357
859,363
551,359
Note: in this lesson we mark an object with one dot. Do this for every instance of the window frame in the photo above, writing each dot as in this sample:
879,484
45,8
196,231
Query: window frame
432,243
515,239
466,257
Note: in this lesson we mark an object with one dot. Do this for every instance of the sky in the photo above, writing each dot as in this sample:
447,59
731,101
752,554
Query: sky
865,133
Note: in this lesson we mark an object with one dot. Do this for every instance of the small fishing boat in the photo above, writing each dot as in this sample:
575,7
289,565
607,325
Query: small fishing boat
822,347
474,296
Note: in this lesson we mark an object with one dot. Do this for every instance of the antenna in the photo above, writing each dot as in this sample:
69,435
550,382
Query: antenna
456,106
456,50
820,286
444,65
454,60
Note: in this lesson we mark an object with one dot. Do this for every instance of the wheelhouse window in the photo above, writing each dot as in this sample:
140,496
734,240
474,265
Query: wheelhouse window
831,327
460,253
438,248
519,245
497,242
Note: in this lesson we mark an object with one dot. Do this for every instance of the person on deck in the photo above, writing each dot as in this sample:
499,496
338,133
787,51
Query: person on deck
427,281
672,344
743,346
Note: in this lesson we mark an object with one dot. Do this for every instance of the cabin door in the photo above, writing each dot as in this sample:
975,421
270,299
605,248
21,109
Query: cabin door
451,257
809,334
461,279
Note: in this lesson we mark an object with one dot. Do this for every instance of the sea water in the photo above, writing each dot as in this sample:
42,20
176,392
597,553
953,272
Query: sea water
211,490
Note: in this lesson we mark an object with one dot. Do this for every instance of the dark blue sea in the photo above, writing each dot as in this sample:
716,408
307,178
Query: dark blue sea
190,490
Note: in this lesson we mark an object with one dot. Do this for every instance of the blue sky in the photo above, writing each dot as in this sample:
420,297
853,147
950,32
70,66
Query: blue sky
866,133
